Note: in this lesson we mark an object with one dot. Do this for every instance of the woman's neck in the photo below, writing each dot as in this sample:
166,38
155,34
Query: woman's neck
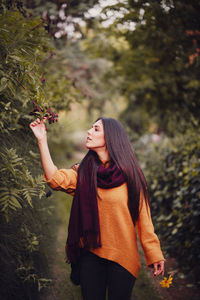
103,156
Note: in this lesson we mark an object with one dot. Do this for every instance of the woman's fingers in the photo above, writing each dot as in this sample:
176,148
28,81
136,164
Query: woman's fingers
38,127
159,268
32,124
44,119
36,122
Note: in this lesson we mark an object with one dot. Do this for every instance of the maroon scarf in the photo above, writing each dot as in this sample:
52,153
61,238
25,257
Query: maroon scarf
84,218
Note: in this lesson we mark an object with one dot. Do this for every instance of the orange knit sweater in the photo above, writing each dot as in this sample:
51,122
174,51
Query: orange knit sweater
118,234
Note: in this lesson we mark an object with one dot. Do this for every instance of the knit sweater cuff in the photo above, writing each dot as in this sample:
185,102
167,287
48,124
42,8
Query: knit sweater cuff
153,256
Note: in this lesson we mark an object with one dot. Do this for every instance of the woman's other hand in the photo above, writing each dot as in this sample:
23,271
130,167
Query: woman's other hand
39,129
159,268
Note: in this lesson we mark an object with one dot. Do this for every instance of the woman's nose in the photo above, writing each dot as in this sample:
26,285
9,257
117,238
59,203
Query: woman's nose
89,131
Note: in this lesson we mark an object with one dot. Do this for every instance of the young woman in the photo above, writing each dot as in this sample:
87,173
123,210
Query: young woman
111,202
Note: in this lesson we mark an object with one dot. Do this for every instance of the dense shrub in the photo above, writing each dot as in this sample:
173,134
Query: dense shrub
25,212
172,167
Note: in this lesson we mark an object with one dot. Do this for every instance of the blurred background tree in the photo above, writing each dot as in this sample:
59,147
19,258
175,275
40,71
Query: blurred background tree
159,62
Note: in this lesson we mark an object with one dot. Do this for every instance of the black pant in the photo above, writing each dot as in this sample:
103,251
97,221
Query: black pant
98,274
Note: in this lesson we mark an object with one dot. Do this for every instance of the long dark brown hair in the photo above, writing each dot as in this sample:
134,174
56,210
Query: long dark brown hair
121,153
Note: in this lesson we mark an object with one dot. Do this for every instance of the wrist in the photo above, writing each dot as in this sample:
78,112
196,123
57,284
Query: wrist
42,140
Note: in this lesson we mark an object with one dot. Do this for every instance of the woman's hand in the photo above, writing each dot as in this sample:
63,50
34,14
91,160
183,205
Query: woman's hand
159,268
39,129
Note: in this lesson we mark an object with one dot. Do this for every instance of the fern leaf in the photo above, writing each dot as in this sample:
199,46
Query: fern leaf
9,201
10,160
28,193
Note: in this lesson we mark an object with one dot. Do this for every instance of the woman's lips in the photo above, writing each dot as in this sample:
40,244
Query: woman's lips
88,138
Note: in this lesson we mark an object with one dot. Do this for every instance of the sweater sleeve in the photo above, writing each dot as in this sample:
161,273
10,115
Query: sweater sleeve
148,239
63,180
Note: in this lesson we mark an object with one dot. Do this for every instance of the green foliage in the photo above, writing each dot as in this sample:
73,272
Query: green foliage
172,167
22,48
58,86
92,77
158,60
30,70
17,184
25,213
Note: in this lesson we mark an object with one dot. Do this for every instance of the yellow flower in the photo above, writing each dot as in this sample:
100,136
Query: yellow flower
166,282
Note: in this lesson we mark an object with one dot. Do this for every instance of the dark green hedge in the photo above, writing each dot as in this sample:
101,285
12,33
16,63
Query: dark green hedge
172,167
25,213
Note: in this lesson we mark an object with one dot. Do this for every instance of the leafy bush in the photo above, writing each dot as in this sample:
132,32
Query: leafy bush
172,167
25,212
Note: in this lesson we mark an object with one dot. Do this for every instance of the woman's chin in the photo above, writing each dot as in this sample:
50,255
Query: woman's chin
88,146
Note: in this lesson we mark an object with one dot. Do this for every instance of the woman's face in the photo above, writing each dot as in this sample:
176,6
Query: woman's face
95,138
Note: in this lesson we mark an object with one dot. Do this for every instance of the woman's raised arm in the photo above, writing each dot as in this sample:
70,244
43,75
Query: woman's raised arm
39,129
